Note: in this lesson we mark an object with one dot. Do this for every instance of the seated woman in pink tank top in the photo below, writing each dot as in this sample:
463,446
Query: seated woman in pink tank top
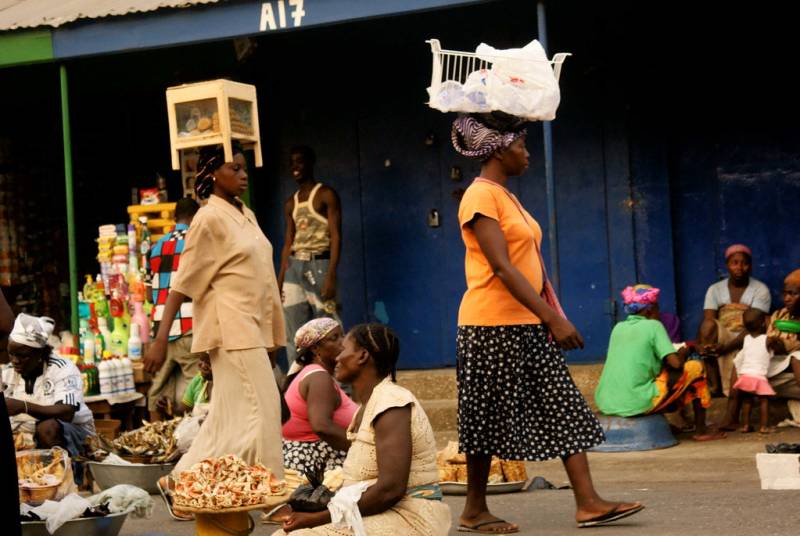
315,435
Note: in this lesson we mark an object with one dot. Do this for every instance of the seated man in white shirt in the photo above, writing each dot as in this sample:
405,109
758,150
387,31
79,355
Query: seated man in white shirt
44,392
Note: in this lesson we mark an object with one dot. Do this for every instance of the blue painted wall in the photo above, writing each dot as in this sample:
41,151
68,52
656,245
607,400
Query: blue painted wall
660,162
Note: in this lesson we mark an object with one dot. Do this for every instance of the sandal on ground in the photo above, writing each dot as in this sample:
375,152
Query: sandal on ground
176,515
746,429
614,514
767,430
485,527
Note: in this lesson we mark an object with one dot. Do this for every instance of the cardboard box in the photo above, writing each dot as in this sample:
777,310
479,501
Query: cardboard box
779,471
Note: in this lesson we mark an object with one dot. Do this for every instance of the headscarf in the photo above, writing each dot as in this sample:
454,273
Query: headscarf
793,278
476,140
313,332
211,159
737,248
32,331
639,297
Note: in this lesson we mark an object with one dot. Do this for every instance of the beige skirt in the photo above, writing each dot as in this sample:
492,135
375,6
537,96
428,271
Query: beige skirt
245,414
409,517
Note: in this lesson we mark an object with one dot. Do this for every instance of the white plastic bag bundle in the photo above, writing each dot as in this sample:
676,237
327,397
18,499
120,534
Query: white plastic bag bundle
56,513
344,508
521,81
125,498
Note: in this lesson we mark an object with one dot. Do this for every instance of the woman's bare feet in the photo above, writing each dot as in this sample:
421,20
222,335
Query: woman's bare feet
767,430
486,523
746,429
710,436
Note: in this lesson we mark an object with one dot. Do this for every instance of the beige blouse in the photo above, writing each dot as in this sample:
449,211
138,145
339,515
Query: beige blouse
361,463
226,268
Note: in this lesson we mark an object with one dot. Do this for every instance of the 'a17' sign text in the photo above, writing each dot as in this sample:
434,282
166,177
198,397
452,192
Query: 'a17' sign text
276,14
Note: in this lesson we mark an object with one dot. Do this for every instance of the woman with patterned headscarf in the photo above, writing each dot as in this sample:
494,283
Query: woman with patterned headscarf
644,374
511,331
315,435
226,269
721,334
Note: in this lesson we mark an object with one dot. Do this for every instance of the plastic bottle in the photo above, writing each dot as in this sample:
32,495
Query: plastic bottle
127,369
119,339
88,348
133,258
104,375
161,184
83,329
102,327
141,320
135,343
117,378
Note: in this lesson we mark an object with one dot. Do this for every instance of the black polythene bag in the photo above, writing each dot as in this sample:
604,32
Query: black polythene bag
311,497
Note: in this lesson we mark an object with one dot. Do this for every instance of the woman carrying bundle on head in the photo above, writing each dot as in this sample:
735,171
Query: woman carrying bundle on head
226,269
516,398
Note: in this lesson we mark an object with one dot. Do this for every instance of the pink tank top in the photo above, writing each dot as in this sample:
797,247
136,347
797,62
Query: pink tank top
298,427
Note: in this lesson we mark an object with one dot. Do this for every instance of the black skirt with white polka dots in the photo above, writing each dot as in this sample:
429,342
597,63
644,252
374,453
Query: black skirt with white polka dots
516,398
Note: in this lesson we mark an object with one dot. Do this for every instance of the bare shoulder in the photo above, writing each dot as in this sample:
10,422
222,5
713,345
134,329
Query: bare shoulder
328,195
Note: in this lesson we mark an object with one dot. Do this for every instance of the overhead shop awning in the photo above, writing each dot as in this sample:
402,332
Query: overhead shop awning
42,30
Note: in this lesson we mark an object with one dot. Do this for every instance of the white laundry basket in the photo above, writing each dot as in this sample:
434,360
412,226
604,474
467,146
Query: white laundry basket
454,73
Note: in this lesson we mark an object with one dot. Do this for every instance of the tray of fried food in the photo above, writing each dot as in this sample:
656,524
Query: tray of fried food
504,475
152,443
228,484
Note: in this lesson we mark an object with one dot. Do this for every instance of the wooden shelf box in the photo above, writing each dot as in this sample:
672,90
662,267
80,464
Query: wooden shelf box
213,113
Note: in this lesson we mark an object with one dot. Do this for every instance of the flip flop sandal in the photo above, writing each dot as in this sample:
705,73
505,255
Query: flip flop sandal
477,528
609,517
168,502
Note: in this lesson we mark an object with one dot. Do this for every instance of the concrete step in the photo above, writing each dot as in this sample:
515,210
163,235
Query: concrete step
437,392
434,384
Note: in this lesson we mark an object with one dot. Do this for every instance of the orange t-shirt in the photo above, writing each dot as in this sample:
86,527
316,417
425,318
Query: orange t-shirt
487,301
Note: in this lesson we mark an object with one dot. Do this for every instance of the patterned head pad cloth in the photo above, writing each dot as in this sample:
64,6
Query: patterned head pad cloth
639,297
474,139
211,159
32,331
793,278
312,332
738,248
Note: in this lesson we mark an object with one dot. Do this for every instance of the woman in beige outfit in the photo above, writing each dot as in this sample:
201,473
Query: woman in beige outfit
392,448
226,269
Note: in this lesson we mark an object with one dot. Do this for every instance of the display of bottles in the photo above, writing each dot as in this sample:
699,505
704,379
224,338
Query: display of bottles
135,343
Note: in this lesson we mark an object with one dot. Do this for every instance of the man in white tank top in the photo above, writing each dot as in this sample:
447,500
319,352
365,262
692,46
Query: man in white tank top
310,254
